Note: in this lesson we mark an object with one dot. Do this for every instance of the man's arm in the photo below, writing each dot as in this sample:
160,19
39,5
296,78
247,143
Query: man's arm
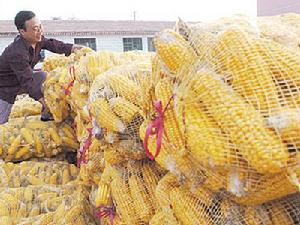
56,46
21,67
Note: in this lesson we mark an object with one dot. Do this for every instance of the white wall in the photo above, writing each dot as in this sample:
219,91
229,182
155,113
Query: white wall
66,39
110,43
4,42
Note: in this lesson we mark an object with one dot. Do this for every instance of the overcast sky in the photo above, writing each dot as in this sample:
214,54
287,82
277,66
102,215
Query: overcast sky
188,10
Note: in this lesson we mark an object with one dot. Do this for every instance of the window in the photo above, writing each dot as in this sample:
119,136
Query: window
132,44
88,42
151,47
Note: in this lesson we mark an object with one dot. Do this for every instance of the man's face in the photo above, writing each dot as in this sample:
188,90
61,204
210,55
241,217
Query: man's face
33,30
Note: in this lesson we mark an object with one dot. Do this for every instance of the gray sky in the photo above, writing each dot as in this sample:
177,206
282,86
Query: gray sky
188,10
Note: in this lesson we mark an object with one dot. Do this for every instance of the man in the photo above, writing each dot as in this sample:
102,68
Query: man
18,60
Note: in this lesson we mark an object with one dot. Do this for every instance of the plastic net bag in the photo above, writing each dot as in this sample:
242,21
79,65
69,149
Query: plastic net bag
35,200
71,209
55,60
57,84
36,173
134,180
25,107
24,138
116,100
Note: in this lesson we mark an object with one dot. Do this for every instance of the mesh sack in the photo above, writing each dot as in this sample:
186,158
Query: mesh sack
55,60
25,107
223,104
59,84
212,122
194,204
122,151
285,210
36,173
69,211
35,200
279,31
24,138
56,87
116,100
132,181
91,162
92,65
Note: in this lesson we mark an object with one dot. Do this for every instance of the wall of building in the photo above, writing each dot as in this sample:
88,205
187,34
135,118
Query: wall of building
4,42
109,43
274,7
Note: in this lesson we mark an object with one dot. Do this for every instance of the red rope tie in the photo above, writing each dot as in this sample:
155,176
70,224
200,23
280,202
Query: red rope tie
106,211
71,84
156,128
83,150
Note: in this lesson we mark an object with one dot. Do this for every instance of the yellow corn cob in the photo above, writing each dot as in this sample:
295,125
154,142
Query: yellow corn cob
45,196
172,160
70,143
124,202
35,124
6,220
205,139
105,117
74,214
125,87
35,211
173,127
123,108
244,125
59,212
37,144
270,187
22,152
279,215
53,179
68,131
174,50
103,195
138,192
46,219
256,216
66,176
14,145
283,62
4,209
55,136
28,194
34,180
151,177
203,43
12,203
22,211
187,208
237,56
163,188
164,216
26,133
73,170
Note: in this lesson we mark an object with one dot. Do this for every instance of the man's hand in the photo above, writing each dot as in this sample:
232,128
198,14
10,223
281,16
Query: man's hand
75,48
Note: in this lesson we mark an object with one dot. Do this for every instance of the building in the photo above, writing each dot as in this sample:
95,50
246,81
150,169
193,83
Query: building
275,7
96,34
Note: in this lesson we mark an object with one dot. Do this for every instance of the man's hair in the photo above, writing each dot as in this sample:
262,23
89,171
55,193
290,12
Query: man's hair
22,17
